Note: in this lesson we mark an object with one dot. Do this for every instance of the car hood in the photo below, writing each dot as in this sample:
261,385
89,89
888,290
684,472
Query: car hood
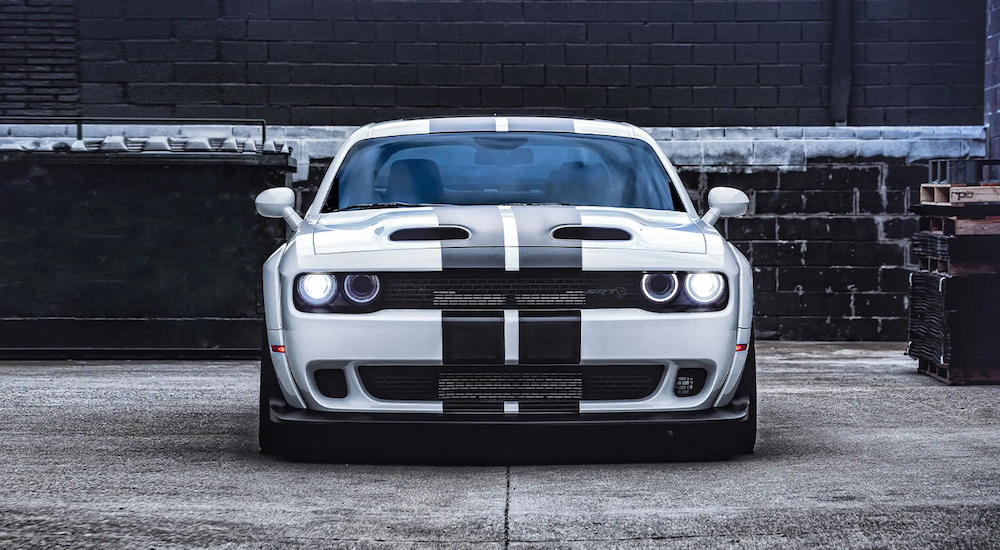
412,228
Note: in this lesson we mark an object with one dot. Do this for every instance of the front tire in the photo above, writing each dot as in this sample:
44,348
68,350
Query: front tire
267,434
746,434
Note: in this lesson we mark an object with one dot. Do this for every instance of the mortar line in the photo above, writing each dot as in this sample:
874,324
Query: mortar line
506,514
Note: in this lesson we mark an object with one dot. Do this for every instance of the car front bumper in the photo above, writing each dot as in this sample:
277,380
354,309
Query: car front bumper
705,340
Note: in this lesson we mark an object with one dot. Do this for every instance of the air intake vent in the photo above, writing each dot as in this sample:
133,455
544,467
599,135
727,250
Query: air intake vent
481,384
430,234
585,233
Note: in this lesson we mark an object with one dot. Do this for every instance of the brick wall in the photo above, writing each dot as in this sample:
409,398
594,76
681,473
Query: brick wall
37,58
992,82
653,63
829,247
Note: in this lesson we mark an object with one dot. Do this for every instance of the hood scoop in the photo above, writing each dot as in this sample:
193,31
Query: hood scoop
590,233
443,233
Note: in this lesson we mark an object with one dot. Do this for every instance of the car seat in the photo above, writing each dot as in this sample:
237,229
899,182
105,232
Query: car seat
414,181
578,182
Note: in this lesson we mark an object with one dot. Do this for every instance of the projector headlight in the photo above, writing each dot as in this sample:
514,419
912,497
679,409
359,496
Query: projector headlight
660,288
316,289
704,288
362,289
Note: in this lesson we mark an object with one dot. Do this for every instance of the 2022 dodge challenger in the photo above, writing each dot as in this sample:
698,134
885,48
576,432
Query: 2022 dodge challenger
509,273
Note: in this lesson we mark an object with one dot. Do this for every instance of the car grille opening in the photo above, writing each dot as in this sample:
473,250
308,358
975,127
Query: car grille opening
552,384
689,382
514,290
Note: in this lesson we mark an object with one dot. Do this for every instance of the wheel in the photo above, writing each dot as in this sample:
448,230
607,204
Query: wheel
746,434
267,435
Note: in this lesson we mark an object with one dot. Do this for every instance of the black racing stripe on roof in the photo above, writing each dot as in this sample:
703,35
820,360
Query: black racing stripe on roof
539,124
467,124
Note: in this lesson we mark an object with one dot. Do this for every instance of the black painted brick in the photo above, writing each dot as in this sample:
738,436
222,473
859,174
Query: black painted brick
828,279
828,228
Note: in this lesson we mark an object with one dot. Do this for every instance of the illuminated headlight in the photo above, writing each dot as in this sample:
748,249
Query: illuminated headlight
362,289
317,289
660,287
704,288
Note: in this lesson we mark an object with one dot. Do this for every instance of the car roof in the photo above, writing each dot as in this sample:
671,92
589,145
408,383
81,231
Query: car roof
499,124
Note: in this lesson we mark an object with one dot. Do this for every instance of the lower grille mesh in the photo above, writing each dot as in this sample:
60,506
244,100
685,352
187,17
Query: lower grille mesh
509,386
494,384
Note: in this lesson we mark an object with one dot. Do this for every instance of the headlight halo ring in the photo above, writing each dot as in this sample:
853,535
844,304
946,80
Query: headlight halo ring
660,297
362,298
317,289
704,288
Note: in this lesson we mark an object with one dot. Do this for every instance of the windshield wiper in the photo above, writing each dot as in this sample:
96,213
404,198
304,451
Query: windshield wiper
380,205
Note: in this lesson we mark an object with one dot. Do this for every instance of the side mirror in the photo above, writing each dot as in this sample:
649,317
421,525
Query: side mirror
724,202
278,202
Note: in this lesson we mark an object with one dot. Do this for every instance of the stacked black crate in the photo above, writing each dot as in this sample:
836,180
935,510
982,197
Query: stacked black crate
955,295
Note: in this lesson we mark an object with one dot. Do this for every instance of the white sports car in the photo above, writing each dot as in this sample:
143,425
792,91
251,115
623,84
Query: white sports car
529,275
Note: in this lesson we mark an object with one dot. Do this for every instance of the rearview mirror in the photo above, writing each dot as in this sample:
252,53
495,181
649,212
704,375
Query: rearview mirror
725,202
278,202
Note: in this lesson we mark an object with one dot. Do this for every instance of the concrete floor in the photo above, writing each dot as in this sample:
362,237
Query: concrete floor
855,450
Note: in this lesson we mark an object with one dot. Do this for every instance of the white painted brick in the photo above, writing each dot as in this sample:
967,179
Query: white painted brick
777,152
812,132
896,148
38,130
686,133
926,149
764,132
920,132
728,152
895,132
789,132
322,148
660,133
685,153
867,132
738,132
836,148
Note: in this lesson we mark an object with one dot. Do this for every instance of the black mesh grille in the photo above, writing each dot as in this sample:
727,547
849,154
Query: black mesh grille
522,290
511,384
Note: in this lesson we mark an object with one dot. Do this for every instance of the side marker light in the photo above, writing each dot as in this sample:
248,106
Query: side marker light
742,347
277,349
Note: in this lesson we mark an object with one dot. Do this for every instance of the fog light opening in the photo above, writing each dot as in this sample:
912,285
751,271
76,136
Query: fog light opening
689,382
331,383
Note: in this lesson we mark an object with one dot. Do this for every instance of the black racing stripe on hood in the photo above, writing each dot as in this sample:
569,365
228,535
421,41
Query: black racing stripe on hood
534,237
484,249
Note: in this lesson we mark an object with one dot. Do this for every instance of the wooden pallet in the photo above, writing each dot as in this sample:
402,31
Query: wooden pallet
958,194
954,225
955,376
945,266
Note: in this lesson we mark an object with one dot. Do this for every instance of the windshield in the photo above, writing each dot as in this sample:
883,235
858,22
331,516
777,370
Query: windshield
502,168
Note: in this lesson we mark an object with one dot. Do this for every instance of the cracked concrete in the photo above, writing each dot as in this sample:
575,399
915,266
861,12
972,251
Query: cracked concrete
855,450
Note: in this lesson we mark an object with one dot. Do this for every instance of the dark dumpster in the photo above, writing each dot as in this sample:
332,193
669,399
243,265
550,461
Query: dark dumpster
135,247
